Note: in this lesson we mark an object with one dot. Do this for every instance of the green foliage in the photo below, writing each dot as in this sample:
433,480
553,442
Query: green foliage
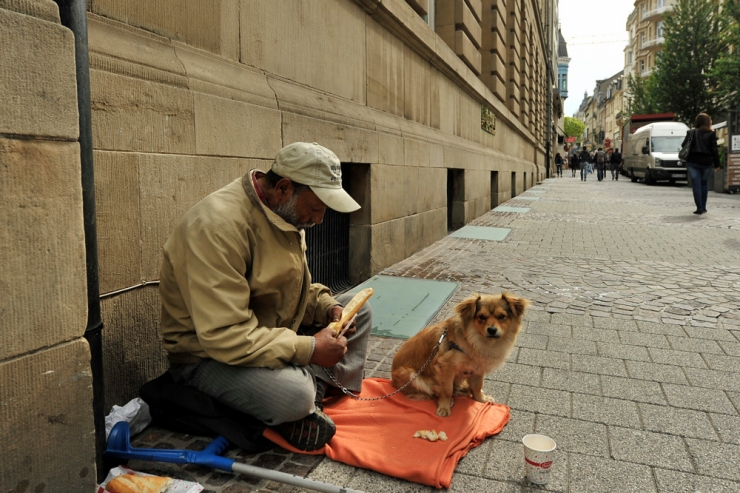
682,76
642,99
573,127
726,69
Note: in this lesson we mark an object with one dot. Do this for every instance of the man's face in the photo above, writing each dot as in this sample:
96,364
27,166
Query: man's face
303,210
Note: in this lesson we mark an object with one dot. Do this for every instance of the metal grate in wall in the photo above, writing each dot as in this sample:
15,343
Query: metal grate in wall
328,251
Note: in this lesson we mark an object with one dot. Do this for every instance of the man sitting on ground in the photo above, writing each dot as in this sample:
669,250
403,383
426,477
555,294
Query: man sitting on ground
241,320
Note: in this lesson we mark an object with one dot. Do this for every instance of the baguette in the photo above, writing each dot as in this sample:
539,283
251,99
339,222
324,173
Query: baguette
131,483
351,309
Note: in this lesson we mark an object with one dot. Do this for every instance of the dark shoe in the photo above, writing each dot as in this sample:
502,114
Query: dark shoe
697,211
310,433
703,212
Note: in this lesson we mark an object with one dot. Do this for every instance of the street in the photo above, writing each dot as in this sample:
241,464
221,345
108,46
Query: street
630,353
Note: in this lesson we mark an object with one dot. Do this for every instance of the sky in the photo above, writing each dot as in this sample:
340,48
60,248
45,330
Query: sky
596,34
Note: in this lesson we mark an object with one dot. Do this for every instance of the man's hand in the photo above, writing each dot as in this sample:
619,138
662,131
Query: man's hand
335,315
329,349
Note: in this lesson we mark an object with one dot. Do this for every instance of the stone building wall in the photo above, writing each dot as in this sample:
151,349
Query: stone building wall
46,418
186,99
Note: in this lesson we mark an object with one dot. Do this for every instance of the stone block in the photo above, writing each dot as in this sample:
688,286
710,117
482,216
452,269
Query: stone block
172,184
351,144
132,344
424,229
42,241
37,78
495,84
466,21
211,25
416,153
47,431
137,115
421,7
417,89
444,13
385,69
432,189
445,104
467,51
470,112
41,9
391,149
388,240
394,191
224,127
321,46
476,7
118,220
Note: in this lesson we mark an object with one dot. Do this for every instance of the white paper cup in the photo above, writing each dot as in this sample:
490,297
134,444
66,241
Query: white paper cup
538,455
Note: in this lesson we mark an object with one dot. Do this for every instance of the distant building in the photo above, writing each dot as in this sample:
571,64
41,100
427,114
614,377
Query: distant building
645,26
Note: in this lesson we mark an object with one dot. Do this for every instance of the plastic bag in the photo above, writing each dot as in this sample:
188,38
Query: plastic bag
135,412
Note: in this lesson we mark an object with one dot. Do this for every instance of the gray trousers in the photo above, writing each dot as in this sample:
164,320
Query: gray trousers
279,395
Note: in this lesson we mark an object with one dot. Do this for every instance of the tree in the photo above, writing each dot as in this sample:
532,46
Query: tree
727,67
573,127
642,96
682,71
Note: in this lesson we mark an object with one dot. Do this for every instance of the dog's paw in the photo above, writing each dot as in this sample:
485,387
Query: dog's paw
486,398
443,410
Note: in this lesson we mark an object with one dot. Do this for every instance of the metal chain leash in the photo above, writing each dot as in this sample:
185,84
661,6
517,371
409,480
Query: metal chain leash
421,370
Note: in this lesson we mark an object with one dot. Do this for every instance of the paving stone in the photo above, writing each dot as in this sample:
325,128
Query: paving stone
571,346
506,463
643,339
538,400
730,348
652,449
550,330
695,345
623,351
571,381
681,482
572,435
661,328
590,334
681,358
679,422
656,372
516,373
464,483
727,426
599,365
698,398
589,474
537,357
632,389
520,423
533,341
722,362
713,379
715,459
605,410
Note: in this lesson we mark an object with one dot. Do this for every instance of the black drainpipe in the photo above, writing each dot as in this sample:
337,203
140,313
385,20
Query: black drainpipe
73,14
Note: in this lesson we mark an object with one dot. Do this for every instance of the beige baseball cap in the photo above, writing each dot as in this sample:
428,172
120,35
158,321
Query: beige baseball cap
317,167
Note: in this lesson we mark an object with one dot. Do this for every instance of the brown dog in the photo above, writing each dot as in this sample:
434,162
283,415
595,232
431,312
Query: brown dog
479,339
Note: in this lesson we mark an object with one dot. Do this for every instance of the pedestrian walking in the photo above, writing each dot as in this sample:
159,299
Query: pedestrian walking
585,160
703,153
573,164
616,164
559,164
600,159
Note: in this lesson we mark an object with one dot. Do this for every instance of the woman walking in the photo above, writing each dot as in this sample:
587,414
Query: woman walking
702,155
559,164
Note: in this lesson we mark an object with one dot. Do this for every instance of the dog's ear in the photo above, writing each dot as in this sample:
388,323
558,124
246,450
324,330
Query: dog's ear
516,305
468,308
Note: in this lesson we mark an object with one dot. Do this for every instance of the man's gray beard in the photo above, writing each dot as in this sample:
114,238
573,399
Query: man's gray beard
289,213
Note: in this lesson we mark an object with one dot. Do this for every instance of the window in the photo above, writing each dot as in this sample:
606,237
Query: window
661,4
660,29
642,66
644,10
642,40
629,58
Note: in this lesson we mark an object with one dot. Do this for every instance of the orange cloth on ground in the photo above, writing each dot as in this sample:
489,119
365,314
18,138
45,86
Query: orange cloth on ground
379,435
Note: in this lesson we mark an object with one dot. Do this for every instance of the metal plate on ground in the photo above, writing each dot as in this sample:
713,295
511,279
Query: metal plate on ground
482,233
506,208
402,306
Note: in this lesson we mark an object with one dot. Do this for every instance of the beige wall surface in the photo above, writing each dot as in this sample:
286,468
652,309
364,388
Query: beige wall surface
181,109
46,423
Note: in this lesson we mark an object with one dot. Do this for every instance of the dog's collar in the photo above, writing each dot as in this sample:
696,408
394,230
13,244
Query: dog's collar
455,346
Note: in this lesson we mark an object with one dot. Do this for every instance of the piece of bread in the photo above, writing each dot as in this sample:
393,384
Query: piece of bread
130,483
352,308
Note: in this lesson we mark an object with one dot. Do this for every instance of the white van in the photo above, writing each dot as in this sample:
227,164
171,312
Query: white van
651,153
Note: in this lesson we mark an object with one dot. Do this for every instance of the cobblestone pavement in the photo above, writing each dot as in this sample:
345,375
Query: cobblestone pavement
629,357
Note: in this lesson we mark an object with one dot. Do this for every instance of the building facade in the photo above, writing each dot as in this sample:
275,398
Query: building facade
438,109
645,26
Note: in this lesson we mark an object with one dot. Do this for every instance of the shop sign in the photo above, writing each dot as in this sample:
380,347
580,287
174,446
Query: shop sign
487,120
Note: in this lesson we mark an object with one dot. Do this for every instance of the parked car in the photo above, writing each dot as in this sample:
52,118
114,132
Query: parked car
651,153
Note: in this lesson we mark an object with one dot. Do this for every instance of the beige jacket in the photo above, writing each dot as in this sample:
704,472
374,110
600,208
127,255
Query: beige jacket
235,284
